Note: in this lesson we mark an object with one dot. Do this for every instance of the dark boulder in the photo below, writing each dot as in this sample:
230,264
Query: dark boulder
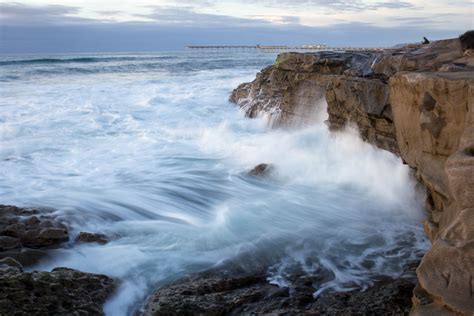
262,169
33,229
92,237
25,234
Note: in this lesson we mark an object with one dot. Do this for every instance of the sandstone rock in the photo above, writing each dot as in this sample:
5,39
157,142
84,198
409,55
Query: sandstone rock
416,101
447,273
262,169
60,292
285,97
419,58
365,103
430,112
92,237
327,63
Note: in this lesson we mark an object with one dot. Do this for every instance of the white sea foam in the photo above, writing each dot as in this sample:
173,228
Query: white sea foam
157,159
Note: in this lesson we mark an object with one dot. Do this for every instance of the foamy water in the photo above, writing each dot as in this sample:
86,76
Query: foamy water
147,149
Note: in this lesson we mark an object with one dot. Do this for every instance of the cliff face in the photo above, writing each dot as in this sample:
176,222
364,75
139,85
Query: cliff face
417,102
290,93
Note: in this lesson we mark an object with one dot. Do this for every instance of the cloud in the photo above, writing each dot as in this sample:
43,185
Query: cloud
339,5
187,16
428,20
14,13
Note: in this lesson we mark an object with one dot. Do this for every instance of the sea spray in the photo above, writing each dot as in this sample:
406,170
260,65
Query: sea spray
150,153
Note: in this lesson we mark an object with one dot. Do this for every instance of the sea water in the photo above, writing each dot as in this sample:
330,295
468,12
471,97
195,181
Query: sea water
147,149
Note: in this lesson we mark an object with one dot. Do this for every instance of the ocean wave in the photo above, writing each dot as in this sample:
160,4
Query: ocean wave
42,61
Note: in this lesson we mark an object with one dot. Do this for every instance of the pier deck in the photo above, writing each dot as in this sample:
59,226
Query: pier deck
280,48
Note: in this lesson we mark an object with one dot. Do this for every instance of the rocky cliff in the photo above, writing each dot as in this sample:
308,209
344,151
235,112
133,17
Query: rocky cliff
417,102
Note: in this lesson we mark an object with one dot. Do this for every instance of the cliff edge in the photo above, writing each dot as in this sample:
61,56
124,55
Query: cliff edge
417,102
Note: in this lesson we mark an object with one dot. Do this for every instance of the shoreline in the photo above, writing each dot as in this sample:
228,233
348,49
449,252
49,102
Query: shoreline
417,102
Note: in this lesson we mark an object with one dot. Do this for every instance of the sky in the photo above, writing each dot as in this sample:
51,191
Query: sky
51,26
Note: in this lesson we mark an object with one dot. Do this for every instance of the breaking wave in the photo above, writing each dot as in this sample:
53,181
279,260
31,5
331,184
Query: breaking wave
159,162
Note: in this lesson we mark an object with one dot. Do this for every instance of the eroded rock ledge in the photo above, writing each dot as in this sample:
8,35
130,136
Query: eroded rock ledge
417,102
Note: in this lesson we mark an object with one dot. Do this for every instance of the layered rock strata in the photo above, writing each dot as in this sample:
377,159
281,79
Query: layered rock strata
417,102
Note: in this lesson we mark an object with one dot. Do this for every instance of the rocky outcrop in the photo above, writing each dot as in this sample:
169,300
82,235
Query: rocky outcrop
295,89
59,292
418,102
92,237
26,234
434,123
261,170
363,102
222,292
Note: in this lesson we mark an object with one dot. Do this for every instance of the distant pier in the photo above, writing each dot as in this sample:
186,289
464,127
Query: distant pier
279,48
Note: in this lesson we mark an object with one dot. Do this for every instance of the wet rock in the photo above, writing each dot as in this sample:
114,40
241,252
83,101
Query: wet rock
10,266
22,231
261,170
27,256
209,293
92,237
286,97
28,226
389,297
53,235
216,292
59,292
11,263
7,243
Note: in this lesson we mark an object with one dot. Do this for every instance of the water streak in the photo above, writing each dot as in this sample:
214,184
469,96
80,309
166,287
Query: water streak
147,150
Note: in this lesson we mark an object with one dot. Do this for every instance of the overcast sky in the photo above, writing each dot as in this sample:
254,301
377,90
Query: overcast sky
50,26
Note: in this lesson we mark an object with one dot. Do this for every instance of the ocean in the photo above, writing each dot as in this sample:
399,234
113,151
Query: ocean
147,149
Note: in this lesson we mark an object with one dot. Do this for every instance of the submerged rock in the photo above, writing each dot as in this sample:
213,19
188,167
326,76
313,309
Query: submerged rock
92,237
59,292
260,170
